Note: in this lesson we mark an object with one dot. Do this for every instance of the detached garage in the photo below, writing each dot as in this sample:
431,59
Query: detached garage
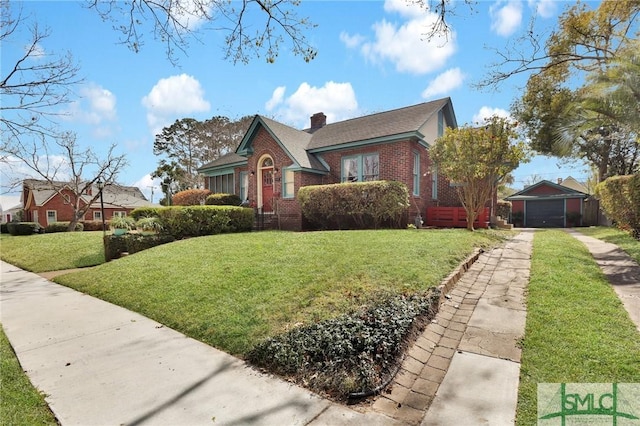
547,205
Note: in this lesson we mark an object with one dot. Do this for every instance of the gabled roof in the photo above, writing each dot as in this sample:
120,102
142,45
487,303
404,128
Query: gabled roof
301,145
570,182
114,196
386,124
564,192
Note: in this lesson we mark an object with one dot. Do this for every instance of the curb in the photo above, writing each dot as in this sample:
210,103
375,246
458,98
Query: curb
450,281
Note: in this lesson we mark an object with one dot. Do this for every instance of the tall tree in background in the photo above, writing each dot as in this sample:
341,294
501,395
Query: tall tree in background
188,144
590,120
477,160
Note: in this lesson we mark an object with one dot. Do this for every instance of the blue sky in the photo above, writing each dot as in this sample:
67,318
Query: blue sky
372,57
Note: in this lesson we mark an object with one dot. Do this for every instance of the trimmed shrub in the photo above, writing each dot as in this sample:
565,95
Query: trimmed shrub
620,199
24,228
142,212
94,225
3,228
352,353
62,227
191,197
115,245
196,221
362,205
223,200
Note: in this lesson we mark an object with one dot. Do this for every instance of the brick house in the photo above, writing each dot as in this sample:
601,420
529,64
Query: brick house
46,203
274,160
548,205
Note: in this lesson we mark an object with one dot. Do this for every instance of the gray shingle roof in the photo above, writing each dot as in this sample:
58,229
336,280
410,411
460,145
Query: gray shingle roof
383,124
301,144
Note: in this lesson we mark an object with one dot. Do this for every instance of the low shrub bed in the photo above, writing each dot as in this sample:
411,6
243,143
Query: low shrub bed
94,225
352,356
24,228
62,227
115,245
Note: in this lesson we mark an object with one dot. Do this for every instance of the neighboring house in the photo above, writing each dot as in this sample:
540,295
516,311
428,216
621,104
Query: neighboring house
47,203
548,205
274,160
570,182
10,206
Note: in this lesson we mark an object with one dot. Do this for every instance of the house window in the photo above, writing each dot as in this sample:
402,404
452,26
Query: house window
416,173
244,186
360,168
440,123
52,216
222,184
120,214
97,215
434,182
288,184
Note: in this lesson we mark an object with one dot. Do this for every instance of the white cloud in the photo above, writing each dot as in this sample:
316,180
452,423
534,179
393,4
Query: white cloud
336,100
150,187
506,18
276,98
352,41
191,14
96,107
544,8
405,44
172,98
488,112
444,83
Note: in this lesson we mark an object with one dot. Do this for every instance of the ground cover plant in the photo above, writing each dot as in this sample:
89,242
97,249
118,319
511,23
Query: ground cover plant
234,290
20,402
577,330
53,252
612,235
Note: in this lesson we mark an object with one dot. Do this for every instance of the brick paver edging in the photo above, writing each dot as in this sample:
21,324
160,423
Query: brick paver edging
426,362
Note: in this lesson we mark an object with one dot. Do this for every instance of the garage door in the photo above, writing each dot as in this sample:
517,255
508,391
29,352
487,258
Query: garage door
545,214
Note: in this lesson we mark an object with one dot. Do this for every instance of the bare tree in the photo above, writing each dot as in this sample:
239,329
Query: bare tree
34,85
253,28
69,169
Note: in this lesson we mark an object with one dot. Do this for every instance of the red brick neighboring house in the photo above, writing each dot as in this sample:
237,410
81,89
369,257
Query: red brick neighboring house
47,203
274,160
548,205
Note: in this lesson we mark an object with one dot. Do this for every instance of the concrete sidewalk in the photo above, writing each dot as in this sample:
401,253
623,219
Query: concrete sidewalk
100,364
620,269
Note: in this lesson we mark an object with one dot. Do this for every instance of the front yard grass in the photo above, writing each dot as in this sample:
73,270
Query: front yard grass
53,252
577,329
232,291
20,402
614,236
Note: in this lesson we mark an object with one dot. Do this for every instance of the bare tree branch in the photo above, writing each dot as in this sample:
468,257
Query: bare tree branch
35,83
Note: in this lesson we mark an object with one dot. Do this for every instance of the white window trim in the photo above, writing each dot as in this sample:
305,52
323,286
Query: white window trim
55,216
97,215
360,161
285,193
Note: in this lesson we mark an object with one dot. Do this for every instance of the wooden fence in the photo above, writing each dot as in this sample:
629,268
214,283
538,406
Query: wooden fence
455,217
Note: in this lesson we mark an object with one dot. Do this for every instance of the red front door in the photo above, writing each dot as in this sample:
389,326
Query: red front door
267,190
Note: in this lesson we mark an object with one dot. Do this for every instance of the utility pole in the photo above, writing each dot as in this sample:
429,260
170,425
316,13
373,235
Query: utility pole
152,189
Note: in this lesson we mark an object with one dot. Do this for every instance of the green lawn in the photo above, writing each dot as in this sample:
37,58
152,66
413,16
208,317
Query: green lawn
577,329
53,252
233,290
20,403
615,236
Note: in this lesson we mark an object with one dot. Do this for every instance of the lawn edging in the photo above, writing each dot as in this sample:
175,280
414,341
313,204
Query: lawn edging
450,281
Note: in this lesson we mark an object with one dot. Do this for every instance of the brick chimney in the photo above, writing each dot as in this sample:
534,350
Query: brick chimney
318,120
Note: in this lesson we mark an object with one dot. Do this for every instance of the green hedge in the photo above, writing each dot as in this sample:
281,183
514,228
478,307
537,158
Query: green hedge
363,205
62,227
115,245
194,221
620,199
4,229
223,200
24,228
